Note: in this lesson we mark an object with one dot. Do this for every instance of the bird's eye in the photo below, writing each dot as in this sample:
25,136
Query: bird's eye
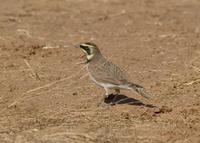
87,50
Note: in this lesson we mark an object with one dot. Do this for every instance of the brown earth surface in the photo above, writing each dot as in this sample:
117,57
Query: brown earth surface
46,97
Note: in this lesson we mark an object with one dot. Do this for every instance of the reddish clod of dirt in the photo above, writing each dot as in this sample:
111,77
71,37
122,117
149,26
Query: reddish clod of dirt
46,97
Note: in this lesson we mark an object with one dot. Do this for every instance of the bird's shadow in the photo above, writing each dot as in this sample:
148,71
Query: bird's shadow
123,99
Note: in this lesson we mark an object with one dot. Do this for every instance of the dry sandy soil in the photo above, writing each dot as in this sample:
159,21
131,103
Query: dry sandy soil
46,97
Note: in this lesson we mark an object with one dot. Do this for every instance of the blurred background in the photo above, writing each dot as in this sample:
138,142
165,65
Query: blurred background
45,96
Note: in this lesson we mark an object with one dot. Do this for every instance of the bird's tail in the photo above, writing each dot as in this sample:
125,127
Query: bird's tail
141,90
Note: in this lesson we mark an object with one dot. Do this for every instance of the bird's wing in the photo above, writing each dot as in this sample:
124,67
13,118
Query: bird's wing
107,72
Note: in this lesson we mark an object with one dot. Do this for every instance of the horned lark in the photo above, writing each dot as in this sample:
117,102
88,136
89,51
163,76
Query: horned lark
106,74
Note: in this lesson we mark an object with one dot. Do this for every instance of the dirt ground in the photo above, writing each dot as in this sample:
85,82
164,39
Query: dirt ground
46,97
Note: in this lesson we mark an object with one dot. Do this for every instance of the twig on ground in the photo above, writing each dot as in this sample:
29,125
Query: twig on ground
31,69
11,71
73,136
24,32
192,82
46,86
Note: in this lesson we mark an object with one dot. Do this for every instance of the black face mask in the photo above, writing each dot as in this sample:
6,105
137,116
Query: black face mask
85,48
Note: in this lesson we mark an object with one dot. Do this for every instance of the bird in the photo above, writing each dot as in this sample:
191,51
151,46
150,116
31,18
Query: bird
106,74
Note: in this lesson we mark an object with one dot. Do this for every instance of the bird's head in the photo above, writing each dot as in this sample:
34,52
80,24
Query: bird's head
90,49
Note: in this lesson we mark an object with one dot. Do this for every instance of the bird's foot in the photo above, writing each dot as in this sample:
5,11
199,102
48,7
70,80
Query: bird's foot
103,102
106,101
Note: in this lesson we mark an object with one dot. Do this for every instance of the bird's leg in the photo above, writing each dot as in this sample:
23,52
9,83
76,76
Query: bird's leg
117,91
105,95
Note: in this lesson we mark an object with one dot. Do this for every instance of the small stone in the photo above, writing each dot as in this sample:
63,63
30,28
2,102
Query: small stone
125,115
74,93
